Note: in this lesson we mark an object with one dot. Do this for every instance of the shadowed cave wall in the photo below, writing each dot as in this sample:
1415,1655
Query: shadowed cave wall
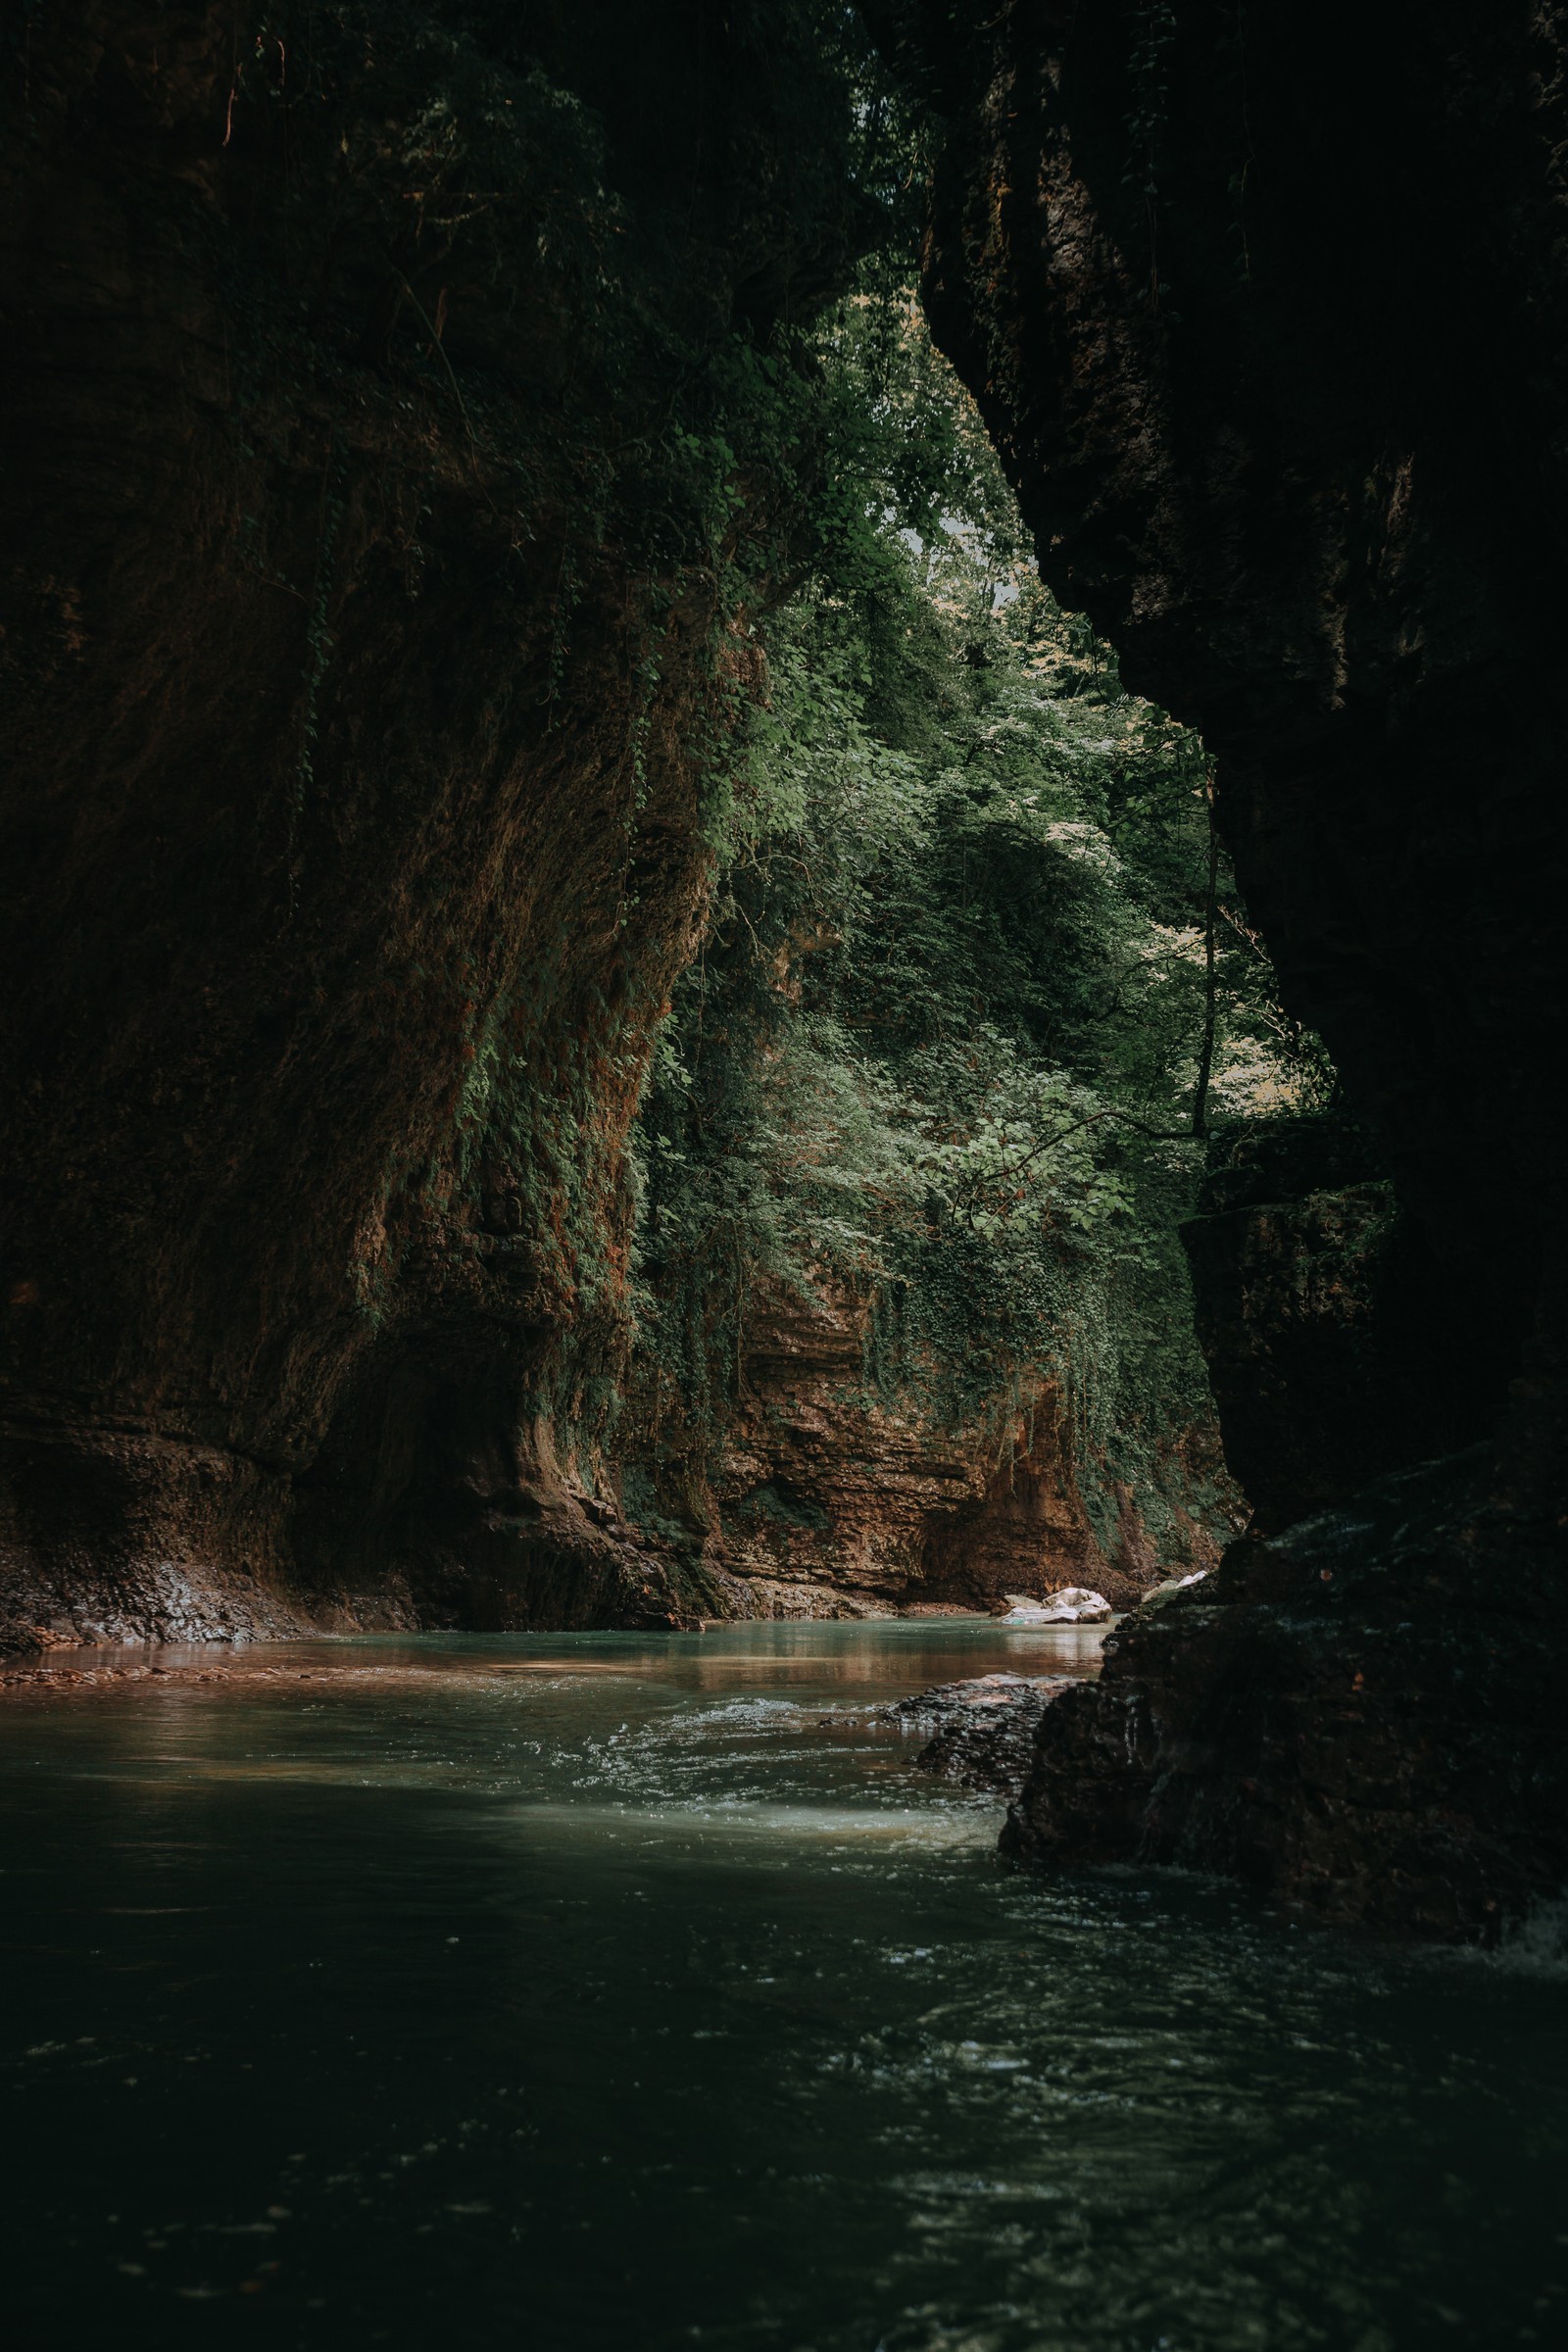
1266,309
373,625
392,483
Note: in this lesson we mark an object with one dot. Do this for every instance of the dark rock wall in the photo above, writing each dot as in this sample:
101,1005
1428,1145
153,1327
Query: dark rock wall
1360,1717
1325,1318
1265,307
363,646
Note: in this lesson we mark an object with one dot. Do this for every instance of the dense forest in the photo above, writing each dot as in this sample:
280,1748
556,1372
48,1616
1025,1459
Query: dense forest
977,997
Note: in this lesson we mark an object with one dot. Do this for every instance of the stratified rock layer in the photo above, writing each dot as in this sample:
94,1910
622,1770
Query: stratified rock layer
828,1497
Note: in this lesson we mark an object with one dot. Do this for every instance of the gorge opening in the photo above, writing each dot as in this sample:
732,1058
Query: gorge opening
783,868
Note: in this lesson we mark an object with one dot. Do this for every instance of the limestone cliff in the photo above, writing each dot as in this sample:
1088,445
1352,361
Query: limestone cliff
828,1498
371,622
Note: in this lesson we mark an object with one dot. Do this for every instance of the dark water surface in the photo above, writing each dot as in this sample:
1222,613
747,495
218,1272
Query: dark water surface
584,1992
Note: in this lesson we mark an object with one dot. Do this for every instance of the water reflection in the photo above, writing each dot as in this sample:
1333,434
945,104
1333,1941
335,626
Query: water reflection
597,1991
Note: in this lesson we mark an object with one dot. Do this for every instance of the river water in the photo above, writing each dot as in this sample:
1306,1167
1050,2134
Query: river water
581,1992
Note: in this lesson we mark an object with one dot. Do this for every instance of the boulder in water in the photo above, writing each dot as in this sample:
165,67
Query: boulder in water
1073,1604
1158,1594
984,1727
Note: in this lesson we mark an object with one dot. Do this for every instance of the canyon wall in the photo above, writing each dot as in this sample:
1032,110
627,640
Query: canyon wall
373,583
828,1498
1267,310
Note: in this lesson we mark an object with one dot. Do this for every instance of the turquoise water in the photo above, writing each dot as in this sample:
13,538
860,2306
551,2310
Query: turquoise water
587,1992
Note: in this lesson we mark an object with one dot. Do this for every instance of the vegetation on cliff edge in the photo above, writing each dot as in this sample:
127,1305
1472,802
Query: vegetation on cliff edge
977,987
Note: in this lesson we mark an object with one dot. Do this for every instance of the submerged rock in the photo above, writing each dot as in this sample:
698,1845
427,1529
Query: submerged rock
1073,1604
984,1727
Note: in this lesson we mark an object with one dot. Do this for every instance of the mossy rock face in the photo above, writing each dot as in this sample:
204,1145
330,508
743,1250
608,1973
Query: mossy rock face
781,1506
368,668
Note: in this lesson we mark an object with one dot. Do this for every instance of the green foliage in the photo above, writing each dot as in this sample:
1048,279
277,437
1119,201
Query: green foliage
496,292
942,1045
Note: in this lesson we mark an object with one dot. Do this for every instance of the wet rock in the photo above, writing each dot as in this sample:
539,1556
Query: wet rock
1073,1604
1266,486
984,1727
1160,1593
799,1600
1361,1717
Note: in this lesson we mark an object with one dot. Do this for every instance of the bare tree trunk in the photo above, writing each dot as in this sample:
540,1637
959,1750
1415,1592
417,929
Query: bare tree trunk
1206,1058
